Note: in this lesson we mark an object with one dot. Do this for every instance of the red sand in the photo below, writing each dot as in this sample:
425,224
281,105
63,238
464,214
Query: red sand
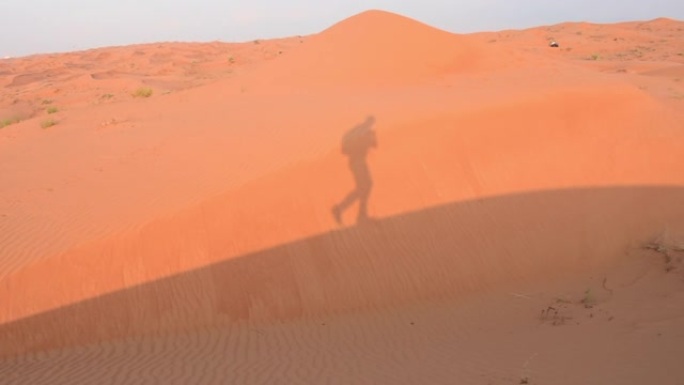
190,233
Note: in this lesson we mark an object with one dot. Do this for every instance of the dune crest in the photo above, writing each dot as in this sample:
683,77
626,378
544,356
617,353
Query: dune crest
380,48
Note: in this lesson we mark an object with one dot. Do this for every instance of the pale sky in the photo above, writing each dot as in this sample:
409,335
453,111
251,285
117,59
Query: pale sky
43,26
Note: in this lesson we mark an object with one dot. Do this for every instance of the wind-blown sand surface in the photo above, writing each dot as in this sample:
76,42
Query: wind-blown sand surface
527,216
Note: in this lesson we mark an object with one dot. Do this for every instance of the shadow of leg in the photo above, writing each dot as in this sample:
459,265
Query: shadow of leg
339,208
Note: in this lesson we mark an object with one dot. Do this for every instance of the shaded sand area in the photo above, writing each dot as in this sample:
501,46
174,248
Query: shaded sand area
166,211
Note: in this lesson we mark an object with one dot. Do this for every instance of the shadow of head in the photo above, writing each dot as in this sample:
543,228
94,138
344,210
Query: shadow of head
358,140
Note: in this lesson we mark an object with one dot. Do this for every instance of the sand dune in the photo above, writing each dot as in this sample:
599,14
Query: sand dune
436,253
525,211
379,48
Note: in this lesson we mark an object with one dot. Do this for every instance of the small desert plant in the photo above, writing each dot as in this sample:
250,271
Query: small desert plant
107,96
231,60
48,123
595,57
52,110
7,122
554,316
143,92
669,249
47,101
588,300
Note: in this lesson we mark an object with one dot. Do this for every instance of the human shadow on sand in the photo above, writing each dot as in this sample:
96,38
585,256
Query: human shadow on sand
356,143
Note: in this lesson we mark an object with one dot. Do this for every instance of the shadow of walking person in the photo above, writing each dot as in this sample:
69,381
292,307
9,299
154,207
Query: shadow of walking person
355,145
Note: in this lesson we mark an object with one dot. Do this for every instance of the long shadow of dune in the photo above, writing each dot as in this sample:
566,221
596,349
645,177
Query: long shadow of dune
436,253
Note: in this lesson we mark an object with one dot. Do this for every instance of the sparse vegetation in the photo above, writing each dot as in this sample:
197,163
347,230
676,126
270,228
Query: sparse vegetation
46,101
7,122
555,317
231,60
566,309
588,300
48,123
52,110
672,252
143,92
595,57
107,96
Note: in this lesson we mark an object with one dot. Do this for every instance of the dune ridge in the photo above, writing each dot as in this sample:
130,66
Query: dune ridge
377,48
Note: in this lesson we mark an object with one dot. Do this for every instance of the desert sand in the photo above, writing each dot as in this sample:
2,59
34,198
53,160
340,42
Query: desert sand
166,209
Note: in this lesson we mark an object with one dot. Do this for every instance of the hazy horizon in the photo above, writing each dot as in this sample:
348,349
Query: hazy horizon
41,26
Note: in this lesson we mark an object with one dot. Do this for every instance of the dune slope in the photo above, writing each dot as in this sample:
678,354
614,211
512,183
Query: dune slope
377,48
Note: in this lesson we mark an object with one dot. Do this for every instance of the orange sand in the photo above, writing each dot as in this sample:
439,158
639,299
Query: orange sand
527,217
